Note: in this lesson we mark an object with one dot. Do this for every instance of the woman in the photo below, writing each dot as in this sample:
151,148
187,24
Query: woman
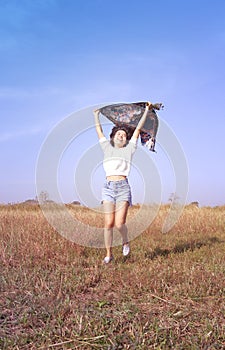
116,193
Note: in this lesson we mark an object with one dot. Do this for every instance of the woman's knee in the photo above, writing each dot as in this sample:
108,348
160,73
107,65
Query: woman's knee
120,226
109,224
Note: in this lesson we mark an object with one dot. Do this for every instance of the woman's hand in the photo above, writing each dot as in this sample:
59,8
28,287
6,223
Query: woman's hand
157,106
96,111
149,105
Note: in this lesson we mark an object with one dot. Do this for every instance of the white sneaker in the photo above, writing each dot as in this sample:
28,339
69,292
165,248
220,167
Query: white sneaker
107,259
126,249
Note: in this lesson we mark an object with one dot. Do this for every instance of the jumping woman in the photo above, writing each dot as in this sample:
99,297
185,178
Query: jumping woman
116,192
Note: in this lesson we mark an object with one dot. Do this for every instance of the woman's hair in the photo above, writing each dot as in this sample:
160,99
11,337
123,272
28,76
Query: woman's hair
117,128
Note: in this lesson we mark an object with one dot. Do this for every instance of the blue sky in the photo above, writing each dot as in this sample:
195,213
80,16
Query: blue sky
58,57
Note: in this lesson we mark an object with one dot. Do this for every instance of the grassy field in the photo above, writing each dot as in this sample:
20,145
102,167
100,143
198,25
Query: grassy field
168,294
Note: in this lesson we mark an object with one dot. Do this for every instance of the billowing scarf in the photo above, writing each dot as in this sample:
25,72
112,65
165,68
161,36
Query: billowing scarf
129,114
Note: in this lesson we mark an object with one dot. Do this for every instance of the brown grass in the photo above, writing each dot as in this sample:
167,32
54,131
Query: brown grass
169,294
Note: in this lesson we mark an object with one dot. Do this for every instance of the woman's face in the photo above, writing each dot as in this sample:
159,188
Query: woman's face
120,138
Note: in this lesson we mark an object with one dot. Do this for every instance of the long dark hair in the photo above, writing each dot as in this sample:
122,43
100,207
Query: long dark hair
117,128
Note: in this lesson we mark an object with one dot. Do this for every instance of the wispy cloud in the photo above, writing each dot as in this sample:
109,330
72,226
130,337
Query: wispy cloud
21,93
17,134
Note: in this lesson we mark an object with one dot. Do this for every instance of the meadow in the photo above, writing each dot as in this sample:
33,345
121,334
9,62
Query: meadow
168,294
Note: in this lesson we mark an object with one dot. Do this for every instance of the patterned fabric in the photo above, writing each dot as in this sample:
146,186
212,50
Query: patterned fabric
129,114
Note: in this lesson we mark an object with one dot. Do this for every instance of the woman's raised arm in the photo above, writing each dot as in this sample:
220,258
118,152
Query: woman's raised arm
142,121
98,126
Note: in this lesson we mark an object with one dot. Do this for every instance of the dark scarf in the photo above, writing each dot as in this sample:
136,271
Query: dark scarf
129,114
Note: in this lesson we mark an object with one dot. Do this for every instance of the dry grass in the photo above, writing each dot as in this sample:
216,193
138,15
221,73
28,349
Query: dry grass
169,294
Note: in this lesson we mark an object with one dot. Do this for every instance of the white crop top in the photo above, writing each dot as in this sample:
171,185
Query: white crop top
117,161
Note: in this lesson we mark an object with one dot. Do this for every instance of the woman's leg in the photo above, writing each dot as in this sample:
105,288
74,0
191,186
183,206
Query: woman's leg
120,219
109,212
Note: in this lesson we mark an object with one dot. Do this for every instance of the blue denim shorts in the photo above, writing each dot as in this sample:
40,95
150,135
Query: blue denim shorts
117,191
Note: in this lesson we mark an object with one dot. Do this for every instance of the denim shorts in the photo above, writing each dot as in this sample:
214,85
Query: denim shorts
117,191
